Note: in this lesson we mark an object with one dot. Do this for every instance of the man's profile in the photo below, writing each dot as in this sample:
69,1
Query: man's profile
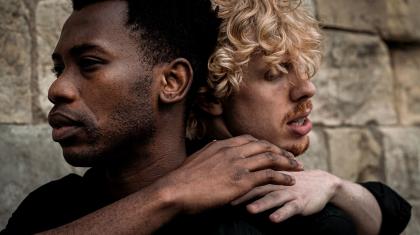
260,83
124,69
126,75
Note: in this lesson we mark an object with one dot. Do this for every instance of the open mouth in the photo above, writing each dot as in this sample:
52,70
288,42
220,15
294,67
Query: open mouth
300,126
298,122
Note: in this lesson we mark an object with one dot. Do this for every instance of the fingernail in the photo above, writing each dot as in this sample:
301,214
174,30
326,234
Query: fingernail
292,180
253,208
300,165
274,217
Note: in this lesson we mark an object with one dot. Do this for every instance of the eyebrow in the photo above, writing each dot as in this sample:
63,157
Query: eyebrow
78,50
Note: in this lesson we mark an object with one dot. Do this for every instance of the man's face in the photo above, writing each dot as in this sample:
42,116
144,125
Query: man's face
271,106
102,96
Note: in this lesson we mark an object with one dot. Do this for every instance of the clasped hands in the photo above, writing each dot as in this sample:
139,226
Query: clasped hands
245,169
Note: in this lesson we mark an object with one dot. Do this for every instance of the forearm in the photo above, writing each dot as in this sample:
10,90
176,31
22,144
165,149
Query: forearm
360,205
140,213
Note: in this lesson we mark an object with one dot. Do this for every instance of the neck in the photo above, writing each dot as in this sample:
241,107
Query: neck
148,162
217,129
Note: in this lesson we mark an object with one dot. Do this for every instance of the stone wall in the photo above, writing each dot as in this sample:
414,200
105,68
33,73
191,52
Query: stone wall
367,109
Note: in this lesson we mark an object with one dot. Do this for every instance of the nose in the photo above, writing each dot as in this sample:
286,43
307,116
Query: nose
302,89
62,90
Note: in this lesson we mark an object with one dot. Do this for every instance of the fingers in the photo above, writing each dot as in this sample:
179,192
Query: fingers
288,210
273,161
269,176
260,146
256,192
215,146
271,200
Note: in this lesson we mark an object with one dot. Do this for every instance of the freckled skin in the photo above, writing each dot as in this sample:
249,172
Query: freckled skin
262,107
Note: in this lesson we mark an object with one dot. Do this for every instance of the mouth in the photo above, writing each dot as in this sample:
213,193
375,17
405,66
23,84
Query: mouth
300,125
64,126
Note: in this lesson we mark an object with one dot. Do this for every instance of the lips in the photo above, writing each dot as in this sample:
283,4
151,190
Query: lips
63,126
300,125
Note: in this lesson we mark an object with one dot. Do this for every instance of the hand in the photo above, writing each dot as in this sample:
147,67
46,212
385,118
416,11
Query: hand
227,169
309,195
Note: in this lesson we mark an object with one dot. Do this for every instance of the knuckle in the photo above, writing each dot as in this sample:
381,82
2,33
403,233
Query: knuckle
270,156
295,206
287,154
270,174
264,145
288,179
238,174
273,195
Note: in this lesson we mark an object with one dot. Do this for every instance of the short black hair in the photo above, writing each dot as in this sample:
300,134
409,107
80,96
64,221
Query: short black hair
173,29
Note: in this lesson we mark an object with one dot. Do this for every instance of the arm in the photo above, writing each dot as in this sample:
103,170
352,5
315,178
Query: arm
223,169
360,204
313,189
140,213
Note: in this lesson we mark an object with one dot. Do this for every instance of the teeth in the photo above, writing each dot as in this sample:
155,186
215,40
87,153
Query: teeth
299,122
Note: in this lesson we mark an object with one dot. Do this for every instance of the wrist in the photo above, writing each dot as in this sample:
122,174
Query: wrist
167,197
338,185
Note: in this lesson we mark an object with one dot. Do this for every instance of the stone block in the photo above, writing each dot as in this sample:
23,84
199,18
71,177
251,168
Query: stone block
413,227
28,159
394,20
355,154
310,5
406,62
354,83
316,157
401,21
50,17
357,15
15,63
402,160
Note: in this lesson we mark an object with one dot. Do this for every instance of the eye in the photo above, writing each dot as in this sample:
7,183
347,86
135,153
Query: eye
272,75
57,69
89,64
277,73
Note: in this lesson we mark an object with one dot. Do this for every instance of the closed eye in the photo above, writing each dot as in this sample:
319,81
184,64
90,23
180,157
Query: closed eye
89,64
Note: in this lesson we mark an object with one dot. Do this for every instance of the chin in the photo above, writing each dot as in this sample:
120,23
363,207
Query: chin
298,148
80,158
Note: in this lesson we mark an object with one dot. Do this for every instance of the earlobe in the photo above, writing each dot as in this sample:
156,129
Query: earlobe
176,81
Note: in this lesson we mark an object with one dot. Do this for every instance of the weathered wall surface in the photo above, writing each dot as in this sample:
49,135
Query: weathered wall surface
367,109
368,102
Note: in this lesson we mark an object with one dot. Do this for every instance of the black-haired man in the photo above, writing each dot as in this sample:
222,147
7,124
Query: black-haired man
123,71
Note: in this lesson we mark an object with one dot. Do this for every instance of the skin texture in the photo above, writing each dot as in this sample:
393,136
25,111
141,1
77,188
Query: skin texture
263,107
108,114
90,68
265,104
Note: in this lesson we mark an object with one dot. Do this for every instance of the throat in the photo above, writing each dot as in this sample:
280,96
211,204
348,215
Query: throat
132,172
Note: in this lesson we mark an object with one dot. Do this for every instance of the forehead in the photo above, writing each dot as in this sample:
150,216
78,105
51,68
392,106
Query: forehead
102,24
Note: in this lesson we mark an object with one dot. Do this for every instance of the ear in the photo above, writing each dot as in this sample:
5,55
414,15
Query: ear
213,108
176,81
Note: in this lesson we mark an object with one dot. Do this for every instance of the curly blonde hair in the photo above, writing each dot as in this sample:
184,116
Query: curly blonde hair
249,27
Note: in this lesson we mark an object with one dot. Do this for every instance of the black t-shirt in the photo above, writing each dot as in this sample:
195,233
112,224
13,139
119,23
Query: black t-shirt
72,197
